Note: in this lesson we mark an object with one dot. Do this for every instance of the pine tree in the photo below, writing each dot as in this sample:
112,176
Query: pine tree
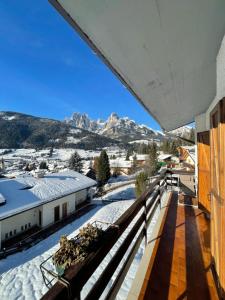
96,163
43,165
173,148
135,164
51,152
129,153
75,162
141,183
166,146
153,159
103,168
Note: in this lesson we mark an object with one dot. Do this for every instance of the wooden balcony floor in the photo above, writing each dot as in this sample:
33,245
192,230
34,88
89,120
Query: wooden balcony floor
181,267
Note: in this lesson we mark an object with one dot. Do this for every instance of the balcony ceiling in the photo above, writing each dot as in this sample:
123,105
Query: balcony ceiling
164,51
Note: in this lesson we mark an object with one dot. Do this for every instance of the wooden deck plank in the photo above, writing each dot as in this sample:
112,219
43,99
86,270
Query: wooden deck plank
181,267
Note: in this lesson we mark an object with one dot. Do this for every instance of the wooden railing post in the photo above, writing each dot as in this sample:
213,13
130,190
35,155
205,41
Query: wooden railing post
145,225
160,195
166,179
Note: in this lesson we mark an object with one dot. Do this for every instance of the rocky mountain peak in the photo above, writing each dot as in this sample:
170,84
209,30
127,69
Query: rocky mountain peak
113,117
123,129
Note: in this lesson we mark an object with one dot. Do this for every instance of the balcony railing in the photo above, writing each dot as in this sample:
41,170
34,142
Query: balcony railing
140,213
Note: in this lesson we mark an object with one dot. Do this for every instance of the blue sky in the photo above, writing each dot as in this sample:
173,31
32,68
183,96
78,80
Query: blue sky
47,70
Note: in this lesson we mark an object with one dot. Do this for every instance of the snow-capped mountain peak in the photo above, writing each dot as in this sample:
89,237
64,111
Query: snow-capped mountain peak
123,129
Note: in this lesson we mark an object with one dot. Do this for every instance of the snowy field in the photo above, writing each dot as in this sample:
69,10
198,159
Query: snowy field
20,273
58,154
15,160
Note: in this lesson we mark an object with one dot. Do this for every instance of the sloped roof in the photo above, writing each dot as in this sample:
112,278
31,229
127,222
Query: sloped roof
26,192
164,52
164,156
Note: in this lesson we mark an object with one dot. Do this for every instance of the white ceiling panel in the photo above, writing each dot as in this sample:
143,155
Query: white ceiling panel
164,51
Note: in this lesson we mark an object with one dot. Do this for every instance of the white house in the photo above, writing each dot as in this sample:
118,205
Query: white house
28,201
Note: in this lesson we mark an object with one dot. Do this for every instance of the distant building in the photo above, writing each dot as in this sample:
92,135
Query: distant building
187,156
28,201
141,159
121,166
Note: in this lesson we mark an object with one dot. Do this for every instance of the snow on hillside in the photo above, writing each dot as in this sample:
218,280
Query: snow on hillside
146,142
182,131
72,140
20,273
9,118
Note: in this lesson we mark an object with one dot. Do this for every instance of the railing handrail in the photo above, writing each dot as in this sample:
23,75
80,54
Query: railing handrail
79,274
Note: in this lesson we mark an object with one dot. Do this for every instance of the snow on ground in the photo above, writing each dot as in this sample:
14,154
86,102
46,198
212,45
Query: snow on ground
20,273
124,193
64,154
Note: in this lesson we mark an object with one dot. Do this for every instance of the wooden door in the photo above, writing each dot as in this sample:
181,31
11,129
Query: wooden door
64,210
217,142
204,170
56,213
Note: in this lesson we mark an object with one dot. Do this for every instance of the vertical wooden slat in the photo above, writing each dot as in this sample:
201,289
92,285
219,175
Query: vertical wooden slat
217,135
222,192
204,169
214,187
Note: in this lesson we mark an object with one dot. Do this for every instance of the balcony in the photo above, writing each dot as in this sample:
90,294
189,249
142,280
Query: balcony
176,263
179,267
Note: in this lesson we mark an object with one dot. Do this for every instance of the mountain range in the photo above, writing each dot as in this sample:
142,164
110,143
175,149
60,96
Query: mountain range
25,131
19,130
122,129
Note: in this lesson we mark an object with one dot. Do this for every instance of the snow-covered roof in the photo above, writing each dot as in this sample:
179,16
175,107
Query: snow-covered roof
164,156
140,157
26,192
118,163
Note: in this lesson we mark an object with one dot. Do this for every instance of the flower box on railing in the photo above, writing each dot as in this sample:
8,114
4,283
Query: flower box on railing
73,251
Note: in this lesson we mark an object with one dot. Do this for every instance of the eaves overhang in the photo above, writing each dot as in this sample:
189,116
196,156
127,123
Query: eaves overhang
163,51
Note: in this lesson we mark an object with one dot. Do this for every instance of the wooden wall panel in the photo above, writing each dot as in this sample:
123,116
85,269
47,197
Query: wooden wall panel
204,170
217,149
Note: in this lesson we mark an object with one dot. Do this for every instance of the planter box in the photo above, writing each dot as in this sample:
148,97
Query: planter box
51,272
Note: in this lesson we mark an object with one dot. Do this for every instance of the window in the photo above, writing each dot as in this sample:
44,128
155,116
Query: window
10,233
22,228
14,231
25,226
6,235
29,225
